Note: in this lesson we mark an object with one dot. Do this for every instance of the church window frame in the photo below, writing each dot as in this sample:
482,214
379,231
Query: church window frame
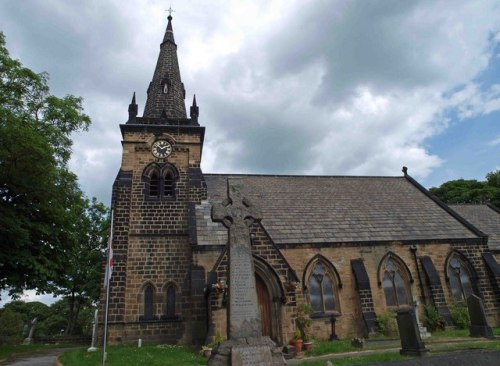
171,295
160,181
147,300
395,280
322,285
460,276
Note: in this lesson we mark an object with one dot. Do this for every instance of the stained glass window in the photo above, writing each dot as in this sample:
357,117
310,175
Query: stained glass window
321,289
396,289
459,275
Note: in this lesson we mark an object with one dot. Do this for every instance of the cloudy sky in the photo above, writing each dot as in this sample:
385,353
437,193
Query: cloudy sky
284,87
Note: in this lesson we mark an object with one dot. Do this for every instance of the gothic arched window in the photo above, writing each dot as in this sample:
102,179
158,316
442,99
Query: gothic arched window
395,282
171,299
322,288
160,181
148,302
168,184
154,184
459,275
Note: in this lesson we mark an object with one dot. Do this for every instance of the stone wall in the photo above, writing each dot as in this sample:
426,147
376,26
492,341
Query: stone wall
151,244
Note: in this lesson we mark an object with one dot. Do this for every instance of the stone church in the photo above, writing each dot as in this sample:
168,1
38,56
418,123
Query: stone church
350,247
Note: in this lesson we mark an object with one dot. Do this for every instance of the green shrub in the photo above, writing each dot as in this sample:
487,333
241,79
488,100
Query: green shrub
460,316
433,320
387,324
11,323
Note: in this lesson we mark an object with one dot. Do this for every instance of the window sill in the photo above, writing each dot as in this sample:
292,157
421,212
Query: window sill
327,315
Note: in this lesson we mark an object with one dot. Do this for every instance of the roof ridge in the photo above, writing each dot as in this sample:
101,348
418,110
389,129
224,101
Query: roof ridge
300,175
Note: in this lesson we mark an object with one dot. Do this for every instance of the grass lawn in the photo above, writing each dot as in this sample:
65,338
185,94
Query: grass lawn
164,355
458,333
327,347
7,351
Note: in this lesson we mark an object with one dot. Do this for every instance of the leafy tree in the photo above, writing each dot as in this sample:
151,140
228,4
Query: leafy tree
11,323
493,178
471,191
37,190
80,280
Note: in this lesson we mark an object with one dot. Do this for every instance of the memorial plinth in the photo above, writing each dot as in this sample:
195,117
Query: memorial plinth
246,346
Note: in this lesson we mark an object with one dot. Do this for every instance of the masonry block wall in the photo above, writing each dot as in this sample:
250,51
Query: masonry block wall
340,256
151,243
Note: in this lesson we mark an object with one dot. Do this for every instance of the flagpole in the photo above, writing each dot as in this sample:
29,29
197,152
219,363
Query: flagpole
107,277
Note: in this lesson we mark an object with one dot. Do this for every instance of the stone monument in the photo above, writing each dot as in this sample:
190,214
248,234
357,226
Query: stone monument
93,347
478,325
29,340
411,342
246,345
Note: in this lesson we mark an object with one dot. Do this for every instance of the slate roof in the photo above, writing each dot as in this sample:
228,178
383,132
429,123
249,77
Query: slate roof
485,218
326,209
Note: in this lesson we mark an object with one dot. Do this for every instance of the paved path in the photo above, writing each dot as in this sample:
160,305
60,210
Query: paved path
469,358
457,358
36,359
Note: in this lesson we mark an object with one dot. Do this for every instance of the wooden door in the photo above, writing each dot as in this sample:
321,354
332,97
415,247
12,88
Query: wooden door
264,306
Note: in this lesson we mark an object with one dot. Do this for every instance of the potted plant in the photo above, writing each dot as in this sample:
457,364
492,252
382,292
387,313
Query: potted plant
206,351
304,323
297,341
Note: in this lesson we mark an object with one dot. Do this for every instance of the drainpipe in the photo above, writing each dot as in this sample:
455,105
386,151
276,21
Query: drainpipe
413,249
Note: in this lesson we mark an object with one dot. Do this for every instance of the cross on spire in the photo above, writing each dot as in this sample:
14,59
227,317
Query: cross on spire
170,11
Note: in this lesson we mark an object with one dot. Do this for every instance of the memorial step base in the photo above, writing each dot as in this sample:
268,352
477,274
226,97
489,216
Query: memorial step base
247,352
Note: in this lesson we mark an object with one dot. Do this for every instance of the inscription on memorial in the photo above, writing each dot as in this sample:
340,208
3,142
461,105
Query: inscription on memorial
250,356
237,213
246,346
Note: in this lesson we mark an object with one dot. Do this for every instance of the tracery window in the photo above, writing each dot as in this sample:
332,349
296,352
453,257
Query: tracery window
395,283
322,289
459,275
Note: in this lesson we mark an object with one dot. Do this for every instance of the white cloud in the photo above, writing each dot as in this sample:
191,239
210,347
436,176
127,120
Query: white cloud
495,141
325,88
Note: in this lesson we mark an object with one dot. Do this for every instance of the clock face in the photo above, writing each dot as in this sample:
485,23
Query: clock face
161,149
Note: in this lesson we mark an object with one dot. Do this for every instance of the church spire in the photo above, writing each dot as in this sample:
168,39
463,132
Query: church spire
166,90
194,111
132,109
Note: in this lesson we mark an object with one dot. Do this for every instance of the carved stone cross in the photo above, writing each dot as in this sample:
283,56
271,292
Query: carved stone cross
238,214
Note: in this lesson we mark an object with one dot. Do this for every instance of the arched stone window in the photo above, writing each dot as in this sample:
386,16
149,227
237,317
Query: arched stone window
148,305
160,180
154,184
171,302
168,185
460,277
395,279
322,284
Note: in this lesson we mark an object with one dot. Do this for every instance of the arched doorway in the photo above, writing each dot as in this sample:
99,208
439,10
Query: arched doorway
264,306
271,297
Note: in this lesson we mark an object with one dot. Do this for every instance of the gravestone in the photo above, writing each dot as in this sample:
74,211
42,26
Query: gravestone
411,342
478,324
246,345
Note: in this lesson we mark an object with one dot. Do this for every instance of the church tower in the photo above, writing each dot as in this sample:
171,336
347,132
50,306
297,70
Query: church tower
155,290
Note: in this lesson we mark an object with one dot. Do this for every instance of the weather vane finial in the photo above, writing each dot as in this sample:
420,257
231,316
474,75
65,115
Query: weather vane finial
170,11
